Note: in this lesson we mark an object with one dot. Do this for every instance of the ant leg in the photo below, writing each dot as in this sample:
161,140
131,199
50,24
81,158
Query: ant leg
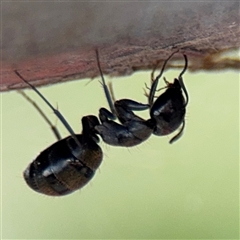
155,81
105,114
152,75
132,105
180,79
88,128
53,128
58,114
121,109
179,134
105,88
111,91
153,71
166,82
125,108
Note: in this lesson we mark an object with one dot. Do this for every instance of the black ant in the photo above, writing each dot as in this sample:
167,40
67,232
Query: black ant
69,163
133,130
169,109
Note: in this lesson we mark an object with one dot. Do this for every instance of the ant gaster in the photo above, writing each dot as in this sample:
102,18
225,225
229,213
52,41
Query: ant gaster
133,130
170,107
68,164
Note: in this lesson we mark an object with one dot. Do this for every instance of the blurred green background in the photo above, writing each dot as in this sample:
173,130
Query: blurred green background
188,190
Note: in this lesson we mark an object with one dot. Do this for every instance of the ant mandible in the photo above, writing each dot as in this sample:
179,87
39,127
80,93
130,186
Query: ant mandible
69,163
169,109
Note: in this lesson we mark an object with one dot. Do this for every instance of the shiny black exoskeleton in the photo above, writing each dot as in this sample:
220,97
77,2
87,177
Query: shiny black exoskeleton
170,107
68,164
133,130
65,166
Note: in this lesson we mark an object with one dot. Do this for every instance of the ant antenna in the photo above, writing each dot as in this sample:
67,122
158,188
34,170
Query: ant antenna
56,112
180,79
179,134
54,129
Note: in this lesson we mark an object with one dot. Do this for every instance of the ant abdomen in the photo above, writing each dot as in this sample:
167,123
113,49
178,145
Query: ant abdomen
64,167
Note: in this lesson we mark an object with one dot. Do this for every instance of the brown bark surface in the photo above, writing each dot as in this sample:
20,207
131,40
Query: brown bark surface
49,42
